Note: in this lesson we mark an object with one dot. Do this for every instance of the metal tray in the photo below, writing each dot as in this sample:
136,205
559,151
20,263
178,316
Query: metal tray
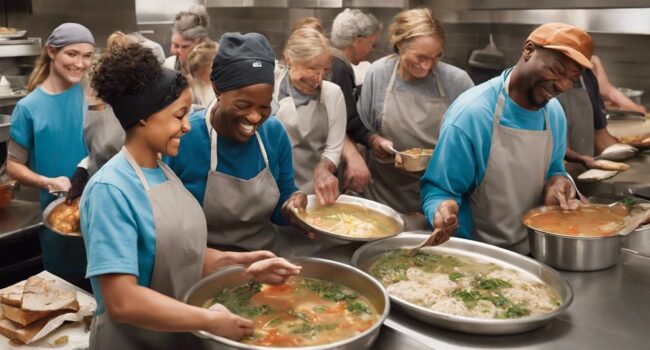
365,256
620,154
15,35
46,218
312,202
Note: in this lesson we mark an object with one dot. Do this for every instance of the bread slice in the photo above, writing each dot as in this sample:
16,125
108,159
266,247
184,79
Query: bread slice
12,295
22,317
25,334
609,165
38,296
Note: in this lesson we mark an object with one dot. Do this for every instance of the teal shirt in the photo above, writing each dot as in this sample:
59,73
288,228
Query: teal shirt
50,127
117,224
460,158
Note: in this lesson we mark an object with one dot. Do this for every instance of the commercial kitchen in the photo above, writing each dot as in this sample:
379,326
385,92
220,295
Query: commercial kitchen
345,174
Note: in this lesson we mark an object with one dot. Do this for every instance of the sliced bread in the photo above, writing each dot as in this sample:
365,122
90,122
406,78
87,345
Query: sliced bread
38,296
25,334
12,295
22,317
609,165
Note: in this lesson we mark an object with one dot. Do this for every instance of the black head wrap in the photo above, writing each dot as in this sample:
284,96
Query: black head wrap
242,60
130,109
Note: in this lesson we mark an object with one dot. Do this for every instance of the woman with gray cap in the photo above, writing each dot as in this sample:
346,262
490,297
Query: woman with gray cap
190,28
144,232
47,135
237,160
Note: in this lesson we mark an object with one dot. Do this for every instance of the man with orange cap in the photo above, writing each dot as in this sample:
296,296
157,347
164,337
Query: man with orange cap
502,144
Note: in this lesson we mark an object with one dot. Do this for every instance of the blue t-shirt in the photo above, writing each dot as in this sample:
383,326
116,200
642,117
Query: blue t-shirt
460,158
50,127
240,160
117,223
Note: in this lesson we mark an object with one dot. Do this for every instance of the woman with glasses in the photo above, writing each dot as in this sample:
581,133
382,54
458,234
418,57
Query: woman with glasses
404,98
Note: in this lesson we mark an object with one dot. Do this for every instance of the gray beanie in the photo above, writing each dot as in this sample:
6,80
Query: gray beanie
70,33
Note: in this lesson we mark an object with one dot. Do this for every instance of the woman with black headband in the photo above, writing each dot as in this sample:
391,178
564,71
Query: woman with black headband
237,160
144,232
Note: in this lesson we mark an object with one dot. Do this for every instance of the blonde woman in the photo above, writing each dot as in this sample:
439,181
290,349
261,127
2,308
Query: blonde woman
47,135
198,67
313,113
190,28
403,100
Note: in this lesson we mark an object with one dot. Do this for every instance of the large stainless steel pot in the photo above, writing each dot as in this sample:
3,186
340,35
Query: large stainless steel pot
327,270
365,256
638,241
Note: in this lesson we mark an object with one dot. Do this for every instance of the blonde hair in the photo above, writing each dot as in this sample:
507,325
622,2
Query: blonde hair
118,38
308,22
409,24
41,69
201,56
306,43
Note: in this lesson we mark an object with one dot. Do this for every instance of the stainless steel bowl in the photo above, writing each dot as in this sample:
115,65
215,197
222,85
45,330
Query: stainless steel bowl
46,217
414,164
572,253
322,269
365,256
638,240
312,202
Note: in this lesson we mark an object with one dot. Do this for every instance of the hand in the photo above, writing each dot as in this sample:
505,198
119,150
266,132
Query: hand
380,146
226,324
78,183
445,219
248,258
589,162
326,186
272,271
56,184
399,162
560,191
357,174
295,203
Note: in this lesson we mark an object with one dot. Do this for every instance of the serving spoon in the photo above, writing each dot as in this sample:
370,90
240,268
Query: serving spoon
426,242
582,197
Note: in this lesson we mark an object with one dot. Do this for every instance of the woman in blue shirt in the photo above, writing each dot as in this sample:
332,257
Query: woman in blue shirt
144,232
47,137
237,160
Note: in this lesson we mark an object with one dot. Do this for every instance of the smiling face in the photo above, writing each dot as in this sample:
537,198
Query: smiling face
419,56
182,47
548,73
163,130
70,62
240,112
307,75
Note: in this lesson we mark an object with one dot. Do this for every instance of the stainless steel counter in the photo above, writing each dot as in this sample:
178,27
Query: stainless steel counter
610,310
637,177
20,216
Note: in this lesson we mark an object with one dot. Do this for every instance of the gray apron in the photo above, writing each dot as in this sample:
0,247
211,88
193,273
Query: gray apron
409,120
307,127
580,123
513,182
239,211
104,137
180,245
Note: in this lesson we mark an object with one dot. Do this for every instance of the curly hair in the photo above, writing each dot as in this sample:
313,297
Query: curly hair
123,70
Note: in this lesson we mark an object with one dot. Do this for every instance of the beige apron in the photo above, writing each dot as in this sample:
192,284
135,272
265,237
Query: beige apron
307,127
580,123
409,120
180,245
513,182
239,211
104,137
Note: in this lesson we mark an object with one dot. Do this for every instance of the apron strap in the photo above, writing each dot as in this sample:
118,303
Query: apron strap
582,83
391,81
138,169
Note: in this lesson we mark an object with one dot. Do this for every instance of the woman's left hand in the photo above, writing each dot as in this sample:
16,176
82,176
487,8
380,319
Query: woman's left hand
272,271
296,202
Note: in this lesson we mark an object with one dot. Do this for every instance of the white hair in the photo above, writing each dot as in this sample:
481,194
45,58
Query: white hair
351,24
193,23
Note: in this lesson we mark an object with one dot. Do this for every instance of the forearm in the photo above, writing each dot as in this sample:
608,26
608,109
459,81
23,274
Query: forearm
603,140
350,150
24,175
324,166
574,157
215,259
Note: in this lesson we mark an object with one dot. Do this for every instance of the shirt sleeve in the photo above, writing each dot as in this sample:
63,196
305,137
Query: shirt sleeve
285,180
598,106
22,131
559,145
336,117
110,232
451,172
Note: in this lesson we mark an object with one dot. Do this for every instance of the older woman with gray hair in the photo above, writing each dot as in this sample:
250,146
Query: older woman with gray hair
190,28
354,34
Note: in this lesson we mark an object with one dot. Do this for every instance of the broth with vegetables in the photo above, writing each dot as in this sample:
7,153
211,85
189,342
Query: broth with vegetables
418,152
462,286
350,220
301,312
587,221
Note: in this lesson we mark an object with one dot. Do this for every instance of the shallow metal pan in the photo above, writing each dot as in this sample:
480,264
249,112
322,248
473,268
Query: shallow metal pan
365,256
48,211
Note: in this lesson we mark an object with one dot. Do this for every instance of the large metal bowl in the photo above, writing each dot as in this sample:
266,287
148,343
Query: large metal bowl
312,202
365,256
311,268
46,218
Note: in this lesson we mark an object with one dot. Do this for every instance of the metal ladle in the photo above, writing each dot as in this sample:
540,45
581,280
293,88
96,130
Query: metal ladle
582,197
426,242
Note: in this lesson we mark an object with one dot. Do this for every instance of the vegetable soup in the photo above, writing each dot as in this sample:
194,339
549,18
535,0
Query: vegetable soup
350,220
587,221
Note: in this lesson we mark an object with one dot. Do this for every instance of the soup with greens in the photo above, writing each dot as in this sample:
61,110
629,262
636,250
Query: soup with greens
350,220
462,286
302,312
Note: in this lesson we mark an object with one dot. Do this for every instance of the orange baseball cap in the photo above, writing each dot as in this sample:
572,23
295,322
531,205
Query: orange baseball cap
571,41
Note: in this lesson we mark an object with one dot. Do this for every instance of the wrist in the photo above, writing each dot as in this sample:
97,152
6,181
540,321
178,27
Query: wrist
42,181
